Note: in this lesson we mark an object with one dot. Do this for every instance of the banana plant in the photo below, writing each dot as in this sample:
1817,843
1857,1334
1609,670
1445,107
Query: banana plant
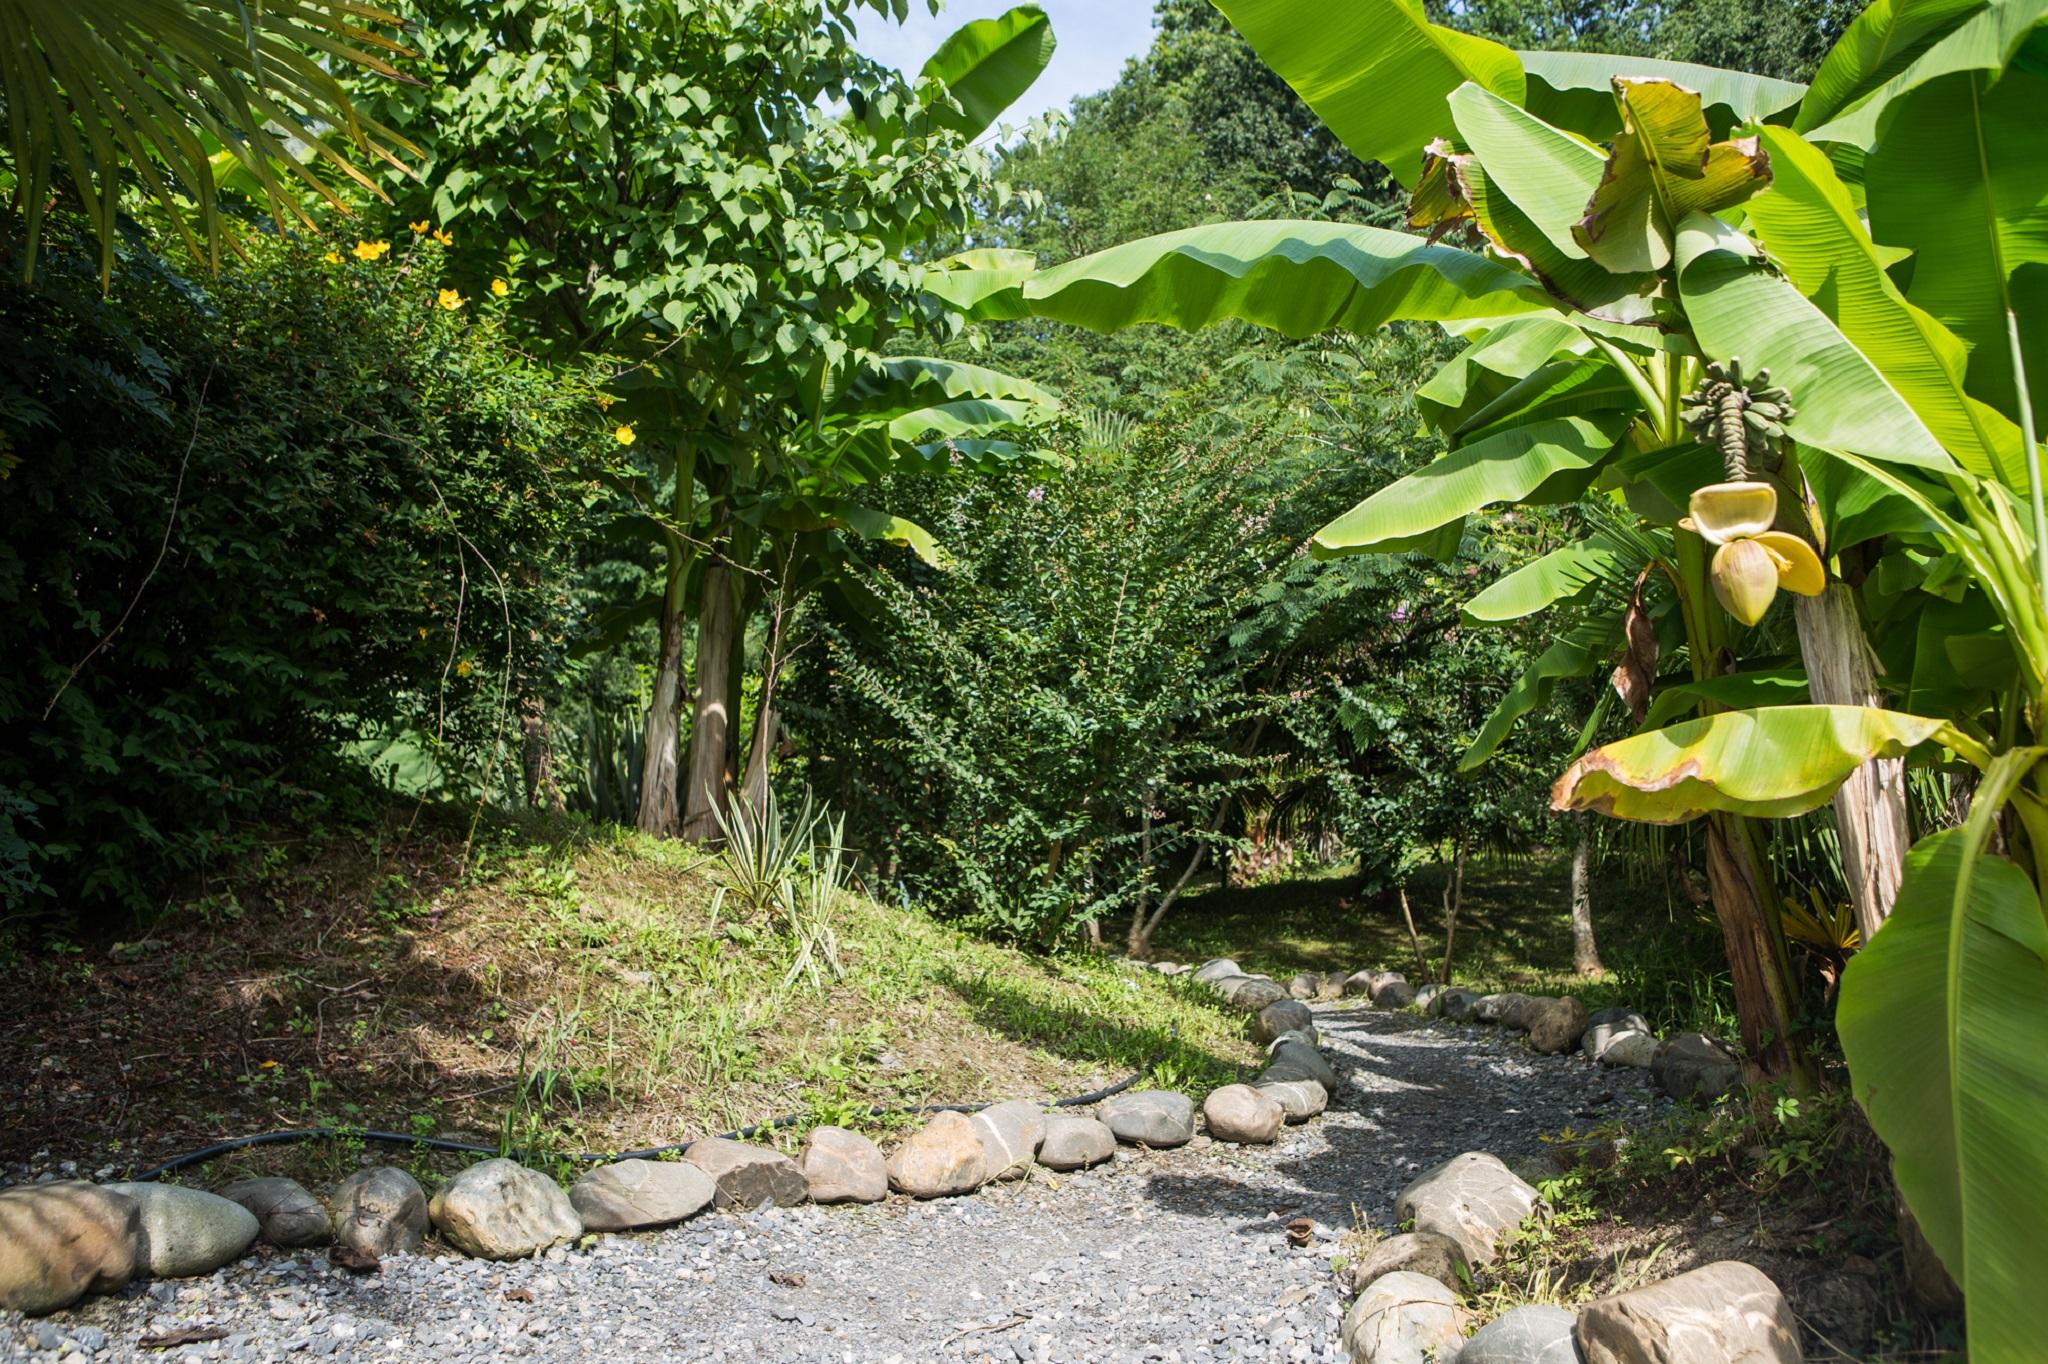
1790,330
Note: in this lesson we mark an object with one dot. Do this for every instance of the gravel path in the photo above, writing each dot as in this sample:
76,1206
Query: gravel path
1164,1256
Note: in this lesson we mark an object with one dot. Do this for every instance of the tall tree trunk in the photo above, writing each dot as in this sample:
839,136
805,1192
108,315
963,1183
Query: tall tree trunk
1585,953
1454,901
1758,965
537,756
711,719
660,745
767,718
1870,809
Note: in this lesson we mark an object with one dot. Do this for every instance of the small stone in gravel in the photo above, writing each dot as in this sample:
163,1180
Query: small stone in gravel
1413,1252
381,1210
843,1167
1010,1134
1158,1118
1726,1311
1075,1143
1604,1025
632,1195
1281,1016
1404,1319
939,1160
1474,1199
1694,1066
1555,1025
286,1212
62,1240
187,1232
499,1210
748,1176
1537,1334
1301,1099
1242,1114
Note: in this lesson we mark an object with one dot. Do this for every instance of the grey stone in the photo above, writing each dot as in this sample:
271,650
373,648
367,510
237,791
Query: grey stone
1305,985
1283,1015
1073,1143
499,1210
1404,1318
1171,968
1393,992
1360,982
1308,1037
1414,1252
1300,1099
1723,1313
1254,994
1158,1118
1604,1025
1426,997
1457,1004
1537,1334
843,1167
1216,968
187,1232
1555,1025
1507,1010
1473,1199
1242,1114
1305,1059
939,1160
632,1195
381,1210
748,1176
1635,1049
1692,1065
1010,1134
62,1240
287,1214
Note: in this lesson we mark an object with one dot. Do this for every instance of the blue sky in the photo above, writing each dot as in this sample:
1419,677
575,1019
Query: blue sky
1095,37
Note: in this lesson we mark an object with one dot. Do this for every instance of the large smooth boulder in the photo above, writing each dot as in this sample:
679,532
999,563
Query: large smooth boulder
748,1176
1555,1025
499,1210
1254,994
1158,1118
1216,968
1723,1313
1010,1134
1414,1252
287,1214
1692,1065
187,1232
1289,1054
1538,1334
379,1211
59,1242
1457,1004
1075,1143
939,1160
1305,985
1604,1025
843,1167
1508,1010
1242,1114
1474,1199
1404,1318
1281,1016
1299,1099
634,1195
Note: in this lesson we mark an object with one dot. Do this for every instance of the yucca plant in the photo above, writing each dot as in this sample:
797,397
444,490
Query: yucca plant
173,97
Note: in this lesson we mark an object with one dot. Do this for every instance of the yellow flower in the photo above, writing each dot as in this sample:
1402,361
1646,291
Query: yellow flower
624,435
445,238
450,300
270,1065
420,227
462,668
332,258
423,632
500,287
371,250
605,400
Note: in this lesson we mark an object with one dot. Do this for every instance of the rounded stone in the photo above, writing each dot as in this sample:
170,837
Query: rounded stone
62,1240
379,1211
1694,1066
941,1159
843,1167
1634,1049
1404,1318
499,1210
1158,1118
1474,1199
1604,1025
748,1176
1555,1025
1305,985
287,1214
1290,1055
1242,1114
1010,1134
632,1195
1301,1099
1414,1252
1255,993
1281,1016
1073,1143
1536,1334
187,1232
1457,1005
1216,968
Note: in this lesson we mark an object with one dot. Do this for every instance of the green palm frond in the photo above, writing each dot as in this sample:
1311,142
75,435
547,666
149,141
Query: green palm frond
165,94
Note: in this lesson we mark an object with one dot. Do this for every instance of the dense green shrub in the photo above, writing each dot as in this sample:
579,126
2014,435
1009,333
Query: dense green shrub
247,524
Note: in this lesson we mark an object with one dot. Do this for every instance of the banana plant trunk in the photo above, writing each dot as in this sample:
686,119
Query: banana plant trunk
1758,966
661,755
1585,952
1870,809
711,718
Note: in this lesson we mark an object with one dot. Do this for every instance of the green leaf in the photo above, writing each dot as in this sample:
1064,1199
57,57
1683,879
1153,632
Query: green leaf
1987,39
1771,763
1878,44
1502,357
1505,467
1575,90
988,64
982,285
870,524
1578,654
1569,575
1809,224
1664,167
1738,306
1942,1021
1298,278
1737,691
1376,71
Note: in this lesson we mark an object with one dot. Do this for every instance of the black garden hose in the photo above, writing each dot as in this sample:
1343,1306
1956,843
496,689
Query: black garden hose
298,1134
